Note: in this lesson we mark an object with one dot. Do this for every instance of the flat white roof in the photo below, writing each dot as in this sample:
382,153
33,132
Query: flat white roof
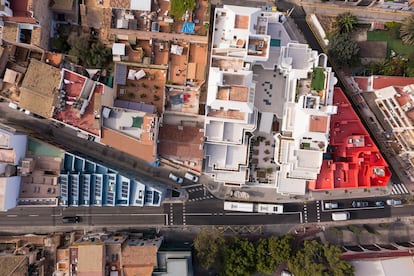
140,5
385,267
293,186
118,49
266,122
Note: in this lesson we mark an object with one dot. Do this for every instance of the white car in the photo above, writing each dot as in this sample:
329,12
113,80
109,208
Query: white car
13,105
393,202
175,178
191,177
331,205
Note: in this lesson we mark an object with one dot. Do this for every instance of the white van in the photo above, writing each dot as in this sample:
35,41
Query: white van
191,177
13,105
341,216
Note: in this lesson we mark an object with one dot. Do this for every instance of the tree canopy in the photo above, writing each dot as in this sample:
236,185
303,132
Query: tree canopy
343,49
95,55
315,258
345,23
239,258
265,263
208,245
179,7
407,31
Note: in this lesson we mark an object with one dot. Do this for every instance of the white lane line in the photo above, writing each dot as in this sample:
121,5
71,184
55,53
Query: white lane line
33,215
192,186
199,214
125,215
12,216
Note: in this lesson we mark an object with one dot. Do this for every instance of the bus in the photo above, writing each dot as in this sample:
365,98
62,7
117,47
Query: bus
238,206
270,208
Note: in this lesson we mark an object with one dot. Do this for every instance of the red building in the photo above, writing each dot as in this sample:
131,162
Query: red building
352,160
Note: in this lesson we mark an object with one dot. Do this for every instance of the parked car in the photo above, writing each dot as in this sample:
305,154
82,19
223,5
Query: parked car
74,219
379,203
341,216
14,106
359,204
175,178
191,177
393,202
331,205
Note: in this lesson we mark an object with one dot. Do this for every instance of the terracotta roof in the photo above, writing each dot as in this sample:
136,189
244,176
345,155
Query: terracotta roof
138,271
318,123
139,260
410,114
385,81
39,96
10,32
125,4
362,83
13,265
130,145
91,259
180,141
402,97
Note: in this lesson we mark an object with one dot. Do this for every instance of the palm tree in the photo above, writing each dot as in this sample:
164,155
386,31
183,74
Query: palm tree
407,31
345,23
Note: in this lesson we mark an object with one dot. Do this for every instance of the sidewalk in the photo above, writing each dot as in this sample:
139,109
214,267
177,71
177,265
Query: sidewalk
269,195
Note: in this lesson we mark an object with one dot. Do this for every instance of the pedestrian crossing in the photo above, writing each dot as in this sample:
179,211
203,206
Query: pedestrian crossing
201,198
193,190
399,189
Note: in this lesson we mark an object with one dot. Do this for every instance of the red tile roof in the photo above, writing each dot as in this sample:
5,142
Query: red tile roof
380,82
180,141
362,82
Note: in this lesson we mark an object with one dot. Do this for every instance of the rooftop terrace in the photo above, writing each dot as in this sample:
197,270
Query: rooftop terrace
79,102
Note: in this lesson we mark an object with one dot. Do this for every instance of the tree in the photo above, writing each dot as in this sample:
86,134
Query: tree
98,55
407,31
60,43
79,45
208,245
239,258
338,266
179,7
345,23
343,49
281,248
265,263
315,258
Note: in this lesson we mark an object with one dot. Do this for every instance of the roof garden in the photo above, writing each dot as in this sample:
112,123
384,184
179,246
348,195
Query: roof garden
318,79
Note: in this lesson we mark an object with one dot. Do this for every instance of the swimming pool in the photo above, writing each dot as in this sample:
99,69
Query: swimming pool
274,42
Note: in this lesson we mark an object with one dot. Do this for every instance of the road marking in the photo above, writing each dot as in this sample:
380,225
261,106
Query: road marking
12,216
33,215
199,214
192,186
106,215
305,212
171,214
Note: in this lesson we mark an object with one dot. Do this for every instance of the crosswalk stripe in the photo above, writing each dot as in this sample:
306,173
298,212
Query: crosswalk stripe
398,189
404,188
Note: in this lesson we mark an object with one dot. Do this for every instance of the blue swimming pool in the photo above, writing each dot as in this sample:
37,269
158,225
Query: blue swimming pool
275,42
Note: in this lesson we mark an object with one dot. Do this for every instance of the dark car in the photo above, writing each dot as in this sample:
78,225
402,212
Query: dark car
74,219
358,204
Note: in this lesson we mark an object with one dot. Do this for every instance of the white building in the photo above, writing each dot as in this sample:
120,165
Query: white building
248,42
12,151
396,104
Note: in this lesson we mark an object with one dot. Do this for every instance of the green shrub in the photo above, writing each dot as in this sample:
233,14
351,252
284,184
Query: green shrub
354,229
370,229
